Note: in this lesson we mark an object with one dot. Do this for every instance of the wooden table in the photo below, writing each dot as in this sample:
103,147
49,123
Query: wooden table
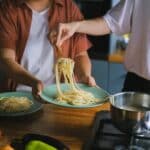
71,126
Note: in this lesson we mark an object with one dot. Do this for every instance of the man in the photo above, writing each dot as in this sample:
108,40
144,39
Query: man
128,16
26,55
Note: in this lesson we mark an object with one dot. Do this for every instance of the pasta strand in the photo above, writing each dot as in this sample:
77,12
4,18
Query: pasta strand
73,95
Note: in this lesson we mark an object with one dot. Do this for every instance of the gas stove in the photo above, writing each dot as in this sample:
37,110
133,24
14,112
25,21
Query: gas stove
105,136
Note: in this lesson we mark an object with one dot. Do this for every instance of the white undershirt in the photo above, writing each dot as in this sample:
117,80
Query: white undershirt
38,57
133,16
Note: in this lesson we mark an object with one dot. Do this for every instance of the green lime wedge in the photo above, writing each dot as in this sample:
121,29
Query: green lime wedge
38,145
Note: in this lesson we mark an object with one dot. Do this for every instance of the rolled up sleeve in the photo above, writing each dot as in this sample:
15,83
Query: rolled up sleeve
119,18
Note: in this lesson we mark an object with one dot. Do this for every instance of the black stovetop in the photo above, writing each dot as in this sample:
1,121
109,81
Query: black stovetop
105,136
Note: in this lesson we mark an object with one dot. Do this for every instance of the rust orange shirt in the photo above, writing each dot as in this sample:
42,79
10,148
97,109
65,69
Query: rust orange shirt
15,23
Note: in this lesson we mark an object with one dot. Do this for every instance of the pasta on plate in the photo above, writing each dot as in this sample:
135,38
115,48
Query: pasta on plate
74,95
15,104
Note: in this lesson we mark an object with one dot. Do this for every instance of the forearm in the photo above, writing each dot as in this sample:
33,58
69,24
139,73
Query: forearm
82,66
95,27
16,72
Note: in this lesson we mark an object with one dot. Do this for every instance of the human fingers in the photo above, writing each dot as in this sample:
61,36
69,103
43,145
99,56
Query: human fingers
64,38
64,33
53,36
37,90
60,33
38,98
91,81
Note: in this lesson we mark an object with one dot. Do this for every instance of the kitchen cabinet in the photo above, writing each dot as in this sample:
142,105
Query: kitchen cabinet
100,73
108,75
116,77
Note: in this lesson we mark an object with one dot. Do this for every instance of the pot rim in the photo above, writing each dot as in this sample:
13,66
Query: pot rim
110,98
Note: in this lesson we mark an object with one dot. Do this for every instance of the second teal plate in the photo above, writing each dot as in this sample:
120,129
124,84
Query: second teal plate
35,107
49,93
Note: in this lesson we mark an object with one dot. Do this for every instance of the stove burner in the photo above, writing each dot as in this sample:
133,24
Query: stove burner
106,136
134,147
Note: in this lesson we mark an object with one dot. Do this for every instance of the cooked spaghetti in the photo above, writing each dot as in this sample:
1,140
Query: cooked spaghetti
14,104
74,95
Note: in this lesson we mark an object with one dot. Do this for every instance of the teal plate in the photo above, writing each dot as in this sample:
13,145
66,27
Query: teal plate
49,93
35,107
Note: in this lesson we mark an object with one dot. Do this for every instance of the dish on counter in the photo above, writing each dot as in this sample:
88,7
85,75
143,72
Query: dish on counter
27,104
49,94
64,68
15,104
43,142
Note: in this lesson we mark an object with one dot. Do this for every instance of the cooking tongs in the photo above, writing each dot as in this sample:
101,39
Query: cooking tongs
58,51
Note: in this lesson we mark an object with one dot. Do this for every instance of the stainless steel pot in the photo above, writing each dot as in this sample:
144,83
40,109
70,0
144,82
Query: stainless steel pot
130,111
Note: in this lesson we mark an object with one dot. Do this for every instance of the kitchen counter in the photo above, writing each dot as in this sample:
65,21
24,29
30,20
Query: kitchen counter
116,57
71,126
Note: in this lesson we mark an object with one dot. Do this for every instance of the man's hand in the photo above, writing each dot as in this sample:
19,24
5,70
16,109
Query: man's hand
37,87
89,80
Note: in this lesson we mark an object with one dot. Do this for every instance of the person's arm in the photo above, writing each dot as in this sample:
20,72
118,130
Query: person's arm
17,72
96,26
83,69
8,45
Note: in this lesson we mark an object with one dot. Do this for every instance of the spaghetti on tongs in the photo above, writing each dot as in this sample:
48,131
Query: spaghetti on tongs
73,95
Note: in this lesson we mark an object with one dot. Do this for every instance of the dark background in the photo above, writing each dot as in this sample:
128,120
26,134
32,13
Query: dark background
92,9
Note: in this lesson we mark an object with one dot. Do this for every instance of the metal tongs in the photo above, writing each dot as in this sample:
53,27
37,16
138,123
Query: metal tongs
59,51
